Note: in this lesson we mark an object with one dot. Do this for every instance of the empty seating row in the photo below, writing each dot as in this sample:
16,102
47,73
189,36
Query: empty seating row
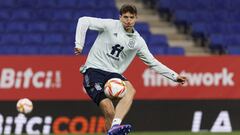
68,50
172,5
37,27
167,50
82,4
233,50
48,26
54,14
206,29
36,50
188,18
222,42
157,43
214,21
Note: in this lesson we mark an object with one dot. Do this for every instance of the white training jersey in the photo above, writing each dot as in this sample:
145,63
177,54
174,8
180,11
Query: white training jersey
114,49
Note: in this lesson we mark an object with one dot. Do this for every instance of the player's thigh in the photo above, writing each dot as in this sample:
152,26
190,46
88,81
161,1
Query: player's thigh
130,89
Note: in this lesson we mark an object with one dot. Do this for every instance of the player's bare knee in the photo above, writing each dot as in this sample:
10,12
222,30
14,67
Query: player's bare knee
132,92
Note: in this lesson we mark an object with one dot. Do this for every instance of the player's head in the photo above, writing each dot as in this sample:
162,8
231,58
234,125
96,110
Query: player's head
128,16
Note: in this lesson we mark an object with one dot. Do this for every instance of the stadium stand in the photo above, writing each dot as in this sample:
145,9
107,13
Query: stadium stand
215,22
48,26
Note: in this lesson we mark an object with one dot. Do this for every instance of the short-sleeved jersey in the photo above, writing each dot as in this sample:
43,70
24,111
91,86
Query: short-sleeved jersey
114,49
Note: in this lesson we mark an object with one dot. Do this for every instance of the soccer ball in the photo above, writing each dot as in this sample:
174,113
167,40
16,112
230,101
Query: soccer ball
115,88
24,105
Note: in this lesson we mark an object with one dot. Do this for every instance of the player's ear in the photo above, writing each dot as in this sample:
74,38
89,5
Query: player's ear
120,17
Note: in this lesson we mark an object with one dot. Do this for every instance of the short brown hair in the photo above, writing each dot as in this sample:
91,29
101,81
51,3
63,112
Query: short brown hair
128,8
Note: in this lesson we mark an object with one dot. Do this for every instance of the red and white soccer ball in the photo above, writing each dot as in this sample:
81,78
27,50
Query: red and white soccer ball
115,88
24,105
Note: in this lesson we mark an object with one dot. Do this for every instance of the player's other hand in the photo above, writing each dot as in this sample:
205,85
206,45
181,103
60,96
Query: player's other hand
77,51
181,79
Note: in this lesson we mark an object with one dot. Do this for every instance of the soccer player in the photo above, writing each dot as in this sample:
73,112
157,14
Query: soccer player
114,49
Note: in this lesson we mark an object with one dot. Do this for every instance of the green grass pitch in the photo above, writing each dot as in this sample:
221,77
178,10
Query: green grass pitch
174,133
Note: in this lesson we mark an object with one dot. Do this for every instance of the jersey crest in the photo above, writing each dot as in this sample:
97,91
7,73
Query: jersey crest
131,43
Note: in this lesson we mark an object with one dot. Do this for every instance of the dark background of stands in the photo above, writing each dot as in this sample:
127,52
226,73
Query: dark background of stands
48,27
215,23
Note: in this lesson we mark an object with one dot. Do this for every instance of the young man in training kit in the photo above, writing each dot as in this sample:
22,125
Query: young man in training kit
114,49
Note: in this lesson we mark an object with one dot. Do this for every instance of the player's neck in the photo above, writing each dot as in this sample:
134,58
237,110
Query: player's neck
129,30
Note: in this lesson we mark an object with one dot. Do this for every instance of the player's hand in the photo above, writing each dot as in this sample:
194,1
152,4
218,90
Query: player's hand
181,79
77,51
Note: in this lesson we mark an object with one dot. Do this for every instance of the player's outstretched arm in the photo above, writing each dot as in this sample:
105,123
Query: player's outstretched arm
181,79
77,51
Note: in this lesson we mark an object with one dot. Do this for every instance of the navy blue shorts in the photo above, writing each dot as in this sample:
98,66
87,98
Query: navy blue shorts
94,81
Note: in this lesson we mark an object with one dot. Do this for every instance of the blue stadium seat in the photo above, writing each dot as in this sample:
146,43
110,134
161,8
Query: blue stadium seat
158,40
27,3
50,50
5,15
46,3
235,4
175,51
200,4
217,42
62,15
199,30
233,50
208,29
142,27
221,4
39,26
8,39
28,50
90,38
86,50
67,50
83,12
21,15
164,5
53,39
87,4
67,4
72,27
158,50
220,16
144,30
233,16
56,50
107,13
7,3
233,28
63,27
43,14
8,50
232,40
106,4
146,36
16,27
69,39
32,39
2,27
216,28
221,42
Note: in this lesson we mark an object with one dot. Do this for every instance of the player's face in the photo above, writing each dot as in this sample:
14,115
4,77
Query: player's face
128,20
